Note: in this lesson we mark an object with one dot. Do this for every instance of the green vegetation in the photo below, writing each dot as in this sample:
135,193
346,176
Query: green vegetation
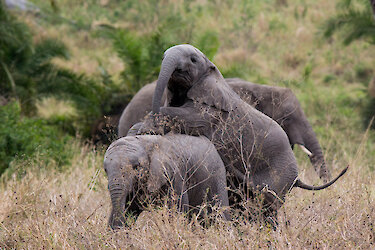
141,54
25,138
28,74
356,20
76,61
26,71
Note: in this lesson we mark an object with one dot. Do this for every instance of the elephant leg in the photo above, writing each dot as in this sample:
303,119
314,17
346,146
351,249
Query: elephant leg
221,201
135,206
181,193
270,219
184,202
269,210
184,120
220,191
187,119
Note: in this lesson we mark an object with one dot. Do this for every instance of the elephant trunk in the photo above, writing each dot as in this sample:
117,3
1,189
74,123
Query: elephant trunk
118,192
168,66
317,157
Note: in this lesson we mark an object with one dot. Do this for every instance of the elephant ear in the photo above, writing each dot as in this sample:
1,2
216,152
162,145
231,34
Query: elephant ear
214,91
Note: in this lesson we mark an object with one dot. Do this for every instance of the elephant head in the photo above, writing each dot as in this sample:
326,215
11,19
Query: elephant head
287,111
120,163
182,69
136,167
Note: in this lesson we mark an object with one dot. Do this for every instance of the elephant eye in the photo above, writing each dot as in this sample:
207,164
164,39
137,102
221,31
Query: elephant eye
193,59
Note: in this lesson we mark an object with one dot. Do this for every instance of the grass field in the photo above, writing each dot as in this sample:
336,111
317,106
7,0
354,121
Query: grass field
70,210
271,42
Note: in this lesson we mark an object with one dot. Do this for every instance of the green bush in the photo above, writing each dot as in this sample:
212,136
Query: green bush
23,138
27,73
354,19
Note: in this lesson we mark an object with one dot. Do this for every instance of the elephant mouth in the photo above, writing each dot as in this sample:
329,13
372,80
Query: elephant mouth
178,85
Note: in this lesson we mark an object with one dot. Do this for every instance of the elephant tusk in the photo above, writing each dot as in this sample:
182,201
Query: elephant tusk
304,149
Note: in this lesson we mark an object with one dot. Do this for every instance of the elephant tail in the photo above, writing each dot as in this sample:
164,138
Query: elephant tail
302,185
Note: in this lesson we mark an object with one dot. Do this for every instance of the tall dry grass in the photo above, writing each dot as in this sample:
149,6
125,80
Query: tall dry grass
69,210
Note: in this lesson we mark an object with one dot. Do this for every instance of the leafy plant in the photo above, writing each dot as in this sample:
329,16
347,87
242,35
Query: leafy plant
22,138
15,48
141,59
27,74
26,70
142,54
355,19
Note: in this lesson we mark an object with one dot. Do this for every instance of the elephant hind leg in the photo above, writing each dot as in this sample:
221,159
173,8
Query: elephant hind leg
271,204
181,194
183,202
262,208
270,217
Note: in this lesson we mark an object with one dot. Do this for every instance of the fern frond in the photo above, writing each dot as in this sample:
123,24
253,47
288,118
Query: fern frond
356,23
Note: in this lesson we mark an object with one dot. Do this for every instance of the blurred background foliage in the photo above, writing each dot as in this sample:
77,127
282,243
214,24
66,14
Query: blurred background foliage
354,19
22,138
67,66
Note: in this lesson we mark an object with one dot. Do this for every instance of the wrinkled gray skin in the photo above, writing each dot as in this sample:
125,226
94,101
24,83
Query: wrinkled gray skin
186,165
254,148
283,106
276,102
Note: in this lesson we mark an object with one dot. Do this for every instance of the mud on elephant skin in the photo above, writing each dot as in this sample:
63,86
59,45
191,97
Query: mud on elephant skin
252,146
276,102
185,167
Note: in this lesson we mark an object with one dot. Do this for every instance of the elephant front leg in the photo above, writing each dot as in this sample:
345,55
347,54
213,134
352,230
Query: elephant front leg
154,124
187,120
181,194
218,192
183,120
183,202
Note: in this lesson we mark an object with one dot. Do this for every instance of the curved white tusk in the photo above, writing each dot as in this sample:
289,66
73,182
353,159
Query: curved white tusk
304,149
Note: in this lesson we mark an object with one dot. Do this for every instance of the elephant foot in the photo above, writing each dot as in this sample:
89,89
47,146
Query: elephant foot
270,219
320,168
325,176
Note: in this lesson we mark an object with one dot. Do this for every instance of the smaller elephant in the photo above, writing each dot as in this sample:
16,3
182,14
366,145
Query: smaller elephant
188,168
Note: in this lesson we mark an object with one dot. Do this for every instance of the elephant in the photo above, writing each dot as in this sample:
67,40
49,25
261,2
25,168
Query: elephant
254,148
187,166
276,102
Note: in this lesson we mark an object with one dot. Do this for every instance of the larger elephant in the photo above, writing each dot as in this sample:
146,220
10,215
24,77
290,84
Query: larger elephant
253,147
278,103
186,166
